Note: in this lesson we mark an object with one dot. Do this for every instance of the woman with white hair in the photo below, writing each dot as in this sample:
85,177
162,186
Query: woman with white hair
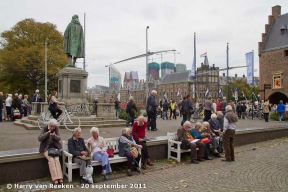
214,125
126,140
198,135
50,138
212,136
97,148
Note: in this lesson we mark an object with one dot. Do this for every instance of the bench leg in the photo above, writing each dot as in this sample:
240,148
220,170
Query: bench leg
178,155
69,173
169,151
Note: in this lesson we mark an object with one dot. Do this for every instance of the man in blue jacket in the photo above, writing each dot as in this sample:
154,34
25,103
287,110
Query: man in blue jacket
281,109
151,110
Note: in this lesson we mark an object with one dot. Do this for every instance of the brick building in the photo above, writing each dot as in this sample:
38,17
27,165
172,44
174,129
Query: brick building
273,56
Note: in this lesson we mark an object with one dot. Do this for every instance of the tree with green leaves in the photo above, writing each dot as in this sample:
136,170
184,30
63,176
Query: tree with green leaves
242,86
22,56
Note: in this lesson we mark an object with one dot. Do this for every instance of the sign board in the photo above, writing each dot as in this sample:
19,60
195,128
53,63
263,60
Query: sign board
249,63
267,86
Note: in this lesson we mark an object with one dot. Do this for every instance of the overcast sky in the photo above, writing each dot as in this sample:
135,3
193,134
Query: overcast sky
116,30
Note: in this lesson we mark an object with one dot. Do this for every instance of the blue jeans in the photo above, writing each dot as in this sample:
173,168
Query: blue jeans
97,156
117,112
164,114
281,116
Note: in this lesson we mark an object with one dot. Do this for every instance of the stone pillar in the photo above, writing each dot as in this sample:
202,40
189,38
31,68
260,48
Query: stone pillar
106,110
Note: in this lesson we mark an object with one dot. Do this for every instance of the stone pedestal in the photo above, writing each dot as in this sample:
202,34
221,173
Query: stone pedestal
72,83
106,110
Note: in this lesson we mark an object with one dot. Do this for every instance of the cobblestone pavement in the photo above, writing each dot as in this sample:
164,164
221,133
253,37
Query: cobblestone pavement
259,167
10,134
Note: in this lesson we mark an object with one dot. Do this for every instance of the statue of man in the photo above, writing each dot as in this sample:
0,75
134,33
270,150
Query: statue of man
73,41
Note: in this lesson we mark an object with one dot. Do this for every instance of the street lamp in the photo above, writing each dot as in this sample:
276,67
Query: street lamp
109,74
147,64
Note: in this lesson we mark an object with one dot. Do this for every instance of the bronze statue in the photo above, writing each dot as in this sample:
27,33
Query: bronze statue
73,41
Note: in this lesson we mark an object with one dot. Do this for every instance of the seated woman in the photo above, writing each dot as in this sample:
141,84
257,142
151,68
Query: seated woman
53,105
139,134
97,148
77,147
212,136
127,140
198,135
50,138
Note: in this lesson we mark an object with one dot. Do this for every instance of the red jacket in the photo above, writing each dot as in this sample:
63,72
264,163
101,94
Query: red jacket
139,131
218,106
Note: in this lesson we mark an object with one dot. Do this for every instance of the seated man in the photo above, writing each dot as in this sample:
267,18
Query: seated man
139,135
184,135
77,147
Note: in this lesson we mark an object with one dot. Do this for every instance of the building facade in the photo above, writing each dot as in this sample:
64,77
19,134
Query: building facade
180,68
167,68
273,56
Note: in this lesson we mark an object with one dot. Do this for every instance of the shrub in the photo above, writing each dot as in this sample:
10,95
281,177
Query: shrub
123,115
275,116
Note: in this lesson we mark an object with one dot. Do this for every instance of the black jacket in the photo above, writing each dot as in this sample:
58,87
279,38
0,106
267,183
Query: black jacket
1,103
72,148
151,103
165,106
187,106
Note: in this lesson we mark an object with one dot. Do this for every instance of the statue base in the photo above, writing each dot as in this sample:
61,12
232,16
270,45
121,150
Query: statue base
72,84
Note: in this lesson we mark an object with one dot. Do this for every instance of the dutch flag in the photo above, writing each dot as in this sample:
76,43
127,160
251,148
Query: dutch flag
204,54
178,92
207,92
220,93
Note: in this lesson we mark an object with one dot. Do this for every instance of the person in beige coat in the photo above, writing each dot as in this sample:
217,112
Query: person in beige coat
97,148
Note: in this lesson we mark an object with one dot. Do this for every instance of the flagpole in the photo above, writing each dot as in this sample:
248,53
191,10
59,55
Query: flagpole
227,86
252,83
195,83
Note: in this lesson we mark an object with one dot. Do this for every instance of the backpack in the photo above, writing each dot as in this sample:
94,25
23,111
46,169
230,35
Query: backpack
129,107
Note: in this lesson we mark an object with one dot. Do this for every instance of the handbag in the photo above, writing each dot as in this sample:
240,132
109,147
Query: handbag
88,177
52,107
132,150
53,152
205,140
16,113
110,151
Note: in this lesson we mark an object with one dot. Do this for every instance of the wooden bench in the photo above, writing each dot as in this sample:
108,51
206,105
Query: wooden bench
112,142
172,138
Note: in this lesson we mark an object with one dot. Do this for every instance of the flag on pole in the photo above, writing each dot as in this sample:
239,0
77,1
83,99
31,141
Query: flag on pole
179,92
204,54
220,92
165,95
193,69
207,92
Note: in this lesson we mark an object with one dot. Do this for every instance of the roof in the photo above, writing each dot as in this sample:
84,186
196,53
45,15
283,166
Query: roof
274,39
176,77
134,75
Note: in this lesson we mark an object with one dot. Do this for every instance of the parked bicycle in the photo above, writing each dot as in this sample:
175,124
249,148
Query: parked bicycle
257,113
69,120
199,114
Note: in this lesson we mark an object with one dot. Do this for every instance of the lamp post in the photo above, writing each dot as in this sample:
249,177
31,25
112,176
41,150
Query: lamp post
109,75
175,57
46,70
147,64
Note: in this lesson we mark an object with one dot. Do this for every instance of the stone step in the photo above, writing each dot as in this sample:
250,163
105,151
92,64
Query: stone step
81,118
35,127
95,123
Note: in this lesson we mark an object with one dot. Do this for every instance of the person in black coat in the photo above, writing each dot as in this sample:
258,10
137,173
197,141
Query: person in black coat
131,110
151,110
77,147
239,110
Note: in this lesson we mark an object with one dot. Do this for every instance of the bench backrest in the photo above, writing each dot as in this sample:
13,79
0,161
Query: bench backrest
111,143
172,136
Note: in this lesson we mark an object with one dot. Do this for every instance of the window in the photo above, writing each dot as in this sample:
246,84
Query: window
200,95
286,53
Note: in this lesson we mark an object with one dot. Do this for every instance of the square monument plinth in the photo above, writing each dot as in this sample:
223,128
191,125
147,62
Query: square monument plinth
72,83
